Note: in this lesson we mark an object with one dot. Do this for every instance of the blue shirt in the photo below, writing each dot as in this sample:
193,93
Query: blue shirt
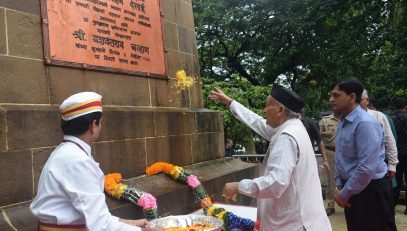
359,154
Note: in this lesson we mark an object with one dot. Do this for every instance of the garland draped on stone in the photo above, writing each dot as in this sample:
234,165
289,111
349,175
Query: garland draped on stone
114,188
230,220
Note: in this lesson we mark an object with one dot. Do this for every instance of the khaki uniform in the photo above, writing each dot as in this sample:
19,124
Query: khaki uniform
329,123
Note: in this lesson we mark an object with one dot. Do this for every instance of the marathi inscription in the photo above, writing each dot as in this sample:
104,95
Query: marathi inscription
98,49
84,5
116,8
128,37
79,34
122,35
128,19
99,10
130,13
100,23
96,2
135,33
118,1
81,46
114,27
137,6
114,15
144,17
140,48
142,23
107,20
107,32
111,42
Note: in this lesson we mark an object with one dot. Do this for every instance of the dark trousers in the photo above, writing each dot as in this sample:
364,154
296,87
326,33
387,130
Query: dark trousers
401,171
372,209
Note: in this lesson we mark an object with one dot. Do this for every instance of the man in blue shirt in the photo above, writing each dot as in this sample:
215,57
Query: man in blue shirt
360,174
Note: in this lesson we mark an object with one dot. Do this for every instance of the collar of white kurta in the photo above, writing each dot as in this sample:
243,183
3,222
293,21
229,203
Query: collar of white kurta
81,143
281,127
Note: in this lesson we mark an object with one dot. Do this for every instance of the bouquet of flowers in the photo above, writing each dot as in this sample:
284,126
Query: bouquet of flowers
118,190
230,220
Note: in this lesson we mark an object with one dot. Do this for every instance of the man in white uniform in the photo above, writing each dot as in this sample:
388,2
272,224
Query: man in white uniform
389,141
70,190
288,190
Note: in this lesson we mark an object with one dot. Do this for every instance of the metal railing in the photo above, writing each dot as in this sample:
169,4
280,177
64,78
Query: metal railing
252,158
260,157
322,171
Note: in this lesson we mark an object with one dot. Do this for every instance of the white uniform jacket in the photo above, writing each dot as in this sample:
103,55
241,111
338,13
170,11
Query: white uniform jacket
288,190
389,141
70,190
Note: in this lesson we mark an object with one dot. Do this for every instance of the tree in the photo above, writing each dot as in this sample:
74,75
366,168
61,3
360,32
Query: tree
305,45
253,97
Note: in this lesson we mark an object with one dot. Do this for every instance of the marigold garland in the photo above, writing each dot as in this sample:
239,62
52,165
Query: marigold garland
230,220
159,167
114,188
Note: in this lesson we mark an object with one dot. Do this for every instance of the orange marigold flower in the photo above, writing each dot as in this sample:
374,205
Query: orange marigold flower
112,179
159,167
113,186
168,168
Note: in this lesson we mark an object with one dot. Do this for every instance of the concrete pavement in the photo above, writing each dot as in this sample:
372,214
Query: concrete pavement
339,224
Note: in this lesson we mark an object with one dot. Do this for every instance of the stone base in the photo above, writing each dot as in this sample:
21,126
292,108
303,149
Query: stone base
172,198
131,139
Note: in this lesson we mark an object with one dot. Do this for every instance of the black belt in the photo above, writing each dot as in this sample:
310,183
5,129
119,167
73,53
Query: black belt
372,181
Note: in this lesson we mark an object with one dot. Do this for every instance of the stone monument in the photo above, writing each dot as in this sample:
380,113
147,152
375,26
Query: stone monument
146,117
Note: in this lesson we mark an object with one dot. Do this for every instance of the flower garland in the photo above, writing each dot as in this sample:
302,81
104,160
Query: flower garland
230,220
118,190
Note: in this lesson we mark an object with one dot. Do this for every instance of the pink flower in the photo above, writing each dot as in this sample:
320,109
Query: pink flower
193,181
147,201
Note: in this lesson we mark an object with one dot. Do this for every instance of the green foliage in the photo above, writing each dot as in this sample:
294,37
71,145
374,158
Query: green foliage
253,97
304,44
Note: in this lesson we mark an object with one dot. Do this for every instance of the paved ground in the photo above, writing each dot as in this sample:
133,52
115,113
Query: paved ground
339,224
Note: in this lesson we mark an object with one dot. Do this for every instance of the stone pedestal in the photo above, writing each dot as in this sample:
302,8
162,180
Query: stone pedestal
172,198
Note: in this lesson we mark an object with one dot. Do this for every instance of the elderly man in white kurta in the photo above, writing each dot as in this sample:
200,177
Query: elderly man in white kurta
288,189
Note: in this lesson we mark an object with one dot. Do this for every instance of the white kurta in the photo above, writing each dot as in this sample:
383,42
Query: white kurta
70,190
288,190
389,141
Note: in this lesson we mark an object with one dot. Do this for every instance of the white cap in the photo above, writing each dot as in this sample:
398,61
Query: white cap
80,104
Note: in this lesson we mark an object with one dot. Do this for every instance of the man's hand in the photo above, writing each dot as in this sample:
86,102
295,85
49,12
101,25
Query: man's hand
230,190
326,164
142,224
330,133
340,201
218,95
138,223
390,175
